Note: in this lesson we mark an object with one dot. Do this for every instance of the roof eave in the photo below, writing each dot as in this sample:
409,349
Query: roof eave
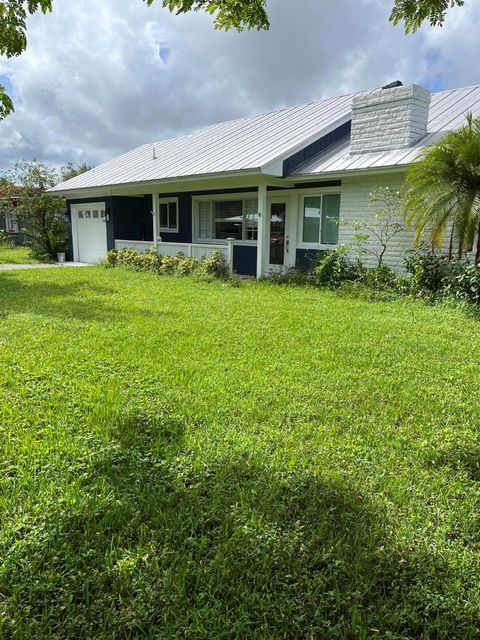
160,182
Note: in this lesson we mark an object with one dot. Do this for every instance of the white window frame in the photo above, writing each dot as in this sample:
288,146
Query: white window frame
319,244
221,198
168,229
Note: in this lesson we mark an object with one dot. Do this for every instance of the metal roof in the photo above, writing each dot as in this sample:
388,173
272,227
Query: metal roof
238,145
253,143
447,112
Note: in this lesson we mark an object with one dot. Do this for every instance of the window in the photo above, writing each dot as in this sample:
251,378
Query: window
168,210
320,219
222,219
228,219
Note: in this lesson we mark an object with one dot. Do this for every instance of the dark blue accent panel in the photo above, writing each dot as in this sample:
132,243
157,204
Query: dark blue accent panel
304,257
132,218
69,251
184,219
294,161
245,260
108,208
209,192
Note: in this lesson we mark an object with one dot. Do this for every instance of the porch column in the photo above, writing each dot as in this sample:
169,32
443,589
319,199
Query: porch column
155,215
262,241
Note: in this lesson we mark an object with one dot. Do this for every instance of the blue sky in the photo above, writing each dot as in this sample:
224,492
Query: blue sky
100,78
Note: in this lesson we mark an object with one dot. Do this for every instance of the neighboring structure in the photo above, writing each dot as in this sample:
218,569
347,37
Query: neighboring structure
10,226
267,190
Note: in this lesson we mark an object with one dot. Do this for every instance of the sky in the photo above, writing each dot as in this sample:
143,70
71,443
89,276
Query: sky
100,78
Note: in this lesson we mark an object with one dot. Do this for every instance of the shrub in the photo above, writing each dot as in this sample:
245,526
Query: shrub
428,271
151,262
170,264
187,266
213,266
463,281
111,259
381,277
336,268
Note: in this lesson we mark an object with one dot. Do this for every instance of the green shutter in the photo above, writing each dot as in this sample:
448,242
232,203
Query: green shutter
311,219
330,217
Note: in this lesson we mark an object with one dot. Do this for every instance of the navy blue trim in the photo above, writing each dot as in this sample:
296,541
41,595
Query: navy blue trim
245,260
209,192
132,218
185,216
305,257
295,160
317,184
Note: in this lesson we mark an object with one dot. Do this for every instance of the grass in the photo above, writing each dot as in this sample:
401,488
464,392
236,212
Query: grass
191,460
15,255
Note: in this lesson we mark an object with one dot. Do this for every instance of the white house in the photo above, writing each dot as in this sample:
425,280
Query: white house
266,190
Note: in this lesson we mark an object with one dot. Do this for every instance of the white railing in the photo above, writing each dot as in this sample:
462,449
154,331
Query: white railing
190,249
197,250
138,245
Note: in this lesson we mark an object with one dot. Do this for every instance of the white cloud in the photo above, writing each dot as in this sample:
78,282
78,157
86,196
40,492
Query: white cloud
100,78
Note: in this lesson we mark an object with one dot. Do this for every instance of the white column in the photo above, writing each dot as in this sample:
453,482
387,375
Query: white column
263,231
155,214
230,255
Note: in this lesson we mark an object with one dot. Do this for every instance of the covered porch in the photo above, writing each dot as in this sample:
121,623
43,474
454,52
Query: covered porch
248,226
259,230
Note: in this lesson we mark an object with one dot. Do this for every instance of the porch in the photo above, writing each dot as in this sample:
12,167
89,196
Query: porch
258,230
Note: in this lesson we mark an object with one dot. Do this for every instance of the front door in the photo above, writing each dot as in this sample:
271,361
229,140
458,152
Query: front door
279,238
90,232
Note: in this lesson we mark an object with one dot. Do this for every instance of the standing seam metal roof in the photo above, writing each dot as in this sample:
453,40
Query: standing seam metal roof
254,142
447,112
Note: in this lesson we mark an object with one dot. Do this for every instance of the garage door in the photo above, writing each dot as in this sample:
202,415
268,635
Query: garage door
91,232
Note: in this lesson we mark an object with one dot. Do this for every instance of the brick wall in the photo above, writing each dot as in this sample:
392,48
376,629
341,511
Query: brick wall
354,207
389,118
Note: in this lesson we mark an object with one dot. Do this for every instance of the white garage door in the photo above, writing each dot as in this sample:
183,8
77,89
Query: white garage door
91,232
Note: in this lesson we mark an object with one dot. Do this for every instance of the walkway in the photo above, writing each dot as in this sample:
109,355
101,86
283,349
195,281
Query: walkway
55,265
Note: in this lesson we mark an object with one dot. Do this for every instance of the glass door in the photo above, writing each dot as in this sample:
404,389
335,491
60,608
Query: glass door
278,237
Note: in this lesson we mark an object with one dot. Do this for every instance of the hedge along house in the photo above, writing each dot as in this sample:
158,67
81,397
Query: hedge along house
268,190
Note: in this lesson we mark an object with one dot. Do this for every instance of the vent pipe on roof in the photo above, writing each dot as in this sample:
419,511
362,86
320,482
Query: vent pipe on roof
154,156
389,118
392,85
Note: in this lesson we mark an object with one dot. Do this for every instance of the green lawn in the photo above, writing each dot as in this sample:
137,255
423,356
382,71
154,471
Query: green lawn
192,460
15,255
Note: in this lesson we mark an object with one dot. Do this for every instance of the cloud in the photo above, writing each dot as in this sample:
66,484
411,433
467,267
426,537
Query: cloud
101,78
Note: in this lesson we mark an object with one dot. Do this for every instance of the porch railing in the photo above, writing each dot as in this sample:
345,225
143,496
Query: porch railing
138,245
197,250
190,249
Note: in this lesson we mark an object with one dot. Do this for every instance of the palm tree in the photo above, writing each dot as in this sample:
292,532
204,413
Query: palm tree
442,190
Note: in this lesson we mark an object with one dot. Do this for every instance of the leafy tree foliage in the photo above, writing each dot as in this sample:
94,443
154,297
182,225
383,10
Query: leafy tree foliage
42,214
373,234
72,170
442,190
227,14
415,12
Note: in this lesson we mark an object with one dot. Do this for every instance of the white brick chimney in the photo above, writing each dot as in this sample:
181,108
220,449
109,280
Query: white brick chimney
390,118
